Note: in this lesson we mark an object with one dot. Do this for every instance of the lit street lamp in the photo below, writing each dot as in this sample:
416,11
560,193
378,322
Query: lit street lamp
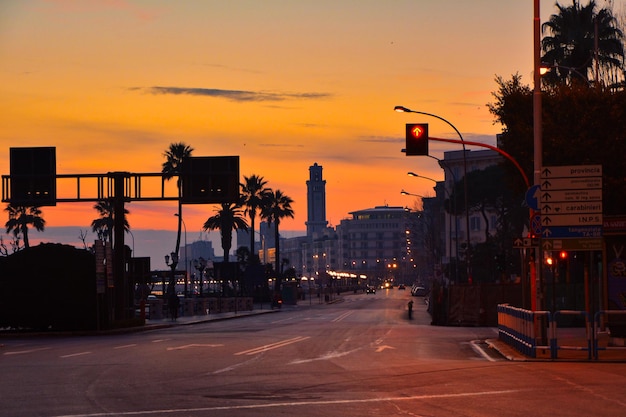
403,109
546,68
414,195
413,174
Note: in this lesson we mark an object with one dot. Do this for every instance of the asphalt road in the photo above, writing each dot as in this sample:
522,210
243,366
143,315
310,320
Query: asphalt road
359,357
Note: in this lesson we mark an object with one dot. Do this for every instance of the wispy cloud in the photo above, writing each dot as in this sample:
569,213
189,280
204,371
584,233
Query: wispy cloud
98,6
235,95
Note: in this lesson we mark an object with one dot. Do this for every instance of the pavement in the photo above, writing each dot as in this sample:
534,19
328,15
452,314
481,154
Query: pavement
568,353
205,318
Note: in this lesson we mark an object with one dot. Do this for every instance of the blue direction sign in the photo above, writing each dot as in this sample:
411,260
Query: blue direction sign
532,197
571,231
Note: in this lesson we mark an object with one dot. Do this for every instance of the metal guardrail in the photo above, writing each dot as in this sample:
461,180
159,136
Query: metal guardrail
521,329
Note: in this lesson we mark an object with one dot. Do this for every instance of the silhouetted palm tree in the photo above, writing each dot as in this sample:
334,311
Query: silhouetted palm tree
20,217
277,208
104,225
254,195
174,157
229,217
575,49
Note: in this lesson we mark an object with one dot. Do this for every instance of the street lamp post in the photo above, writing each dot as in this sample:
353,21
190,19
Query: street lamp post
171,260
200,264
187,262
403,109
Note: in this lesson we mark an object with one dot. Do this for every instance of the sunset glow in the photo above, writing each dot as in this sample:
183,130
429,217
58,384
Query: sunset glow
283,85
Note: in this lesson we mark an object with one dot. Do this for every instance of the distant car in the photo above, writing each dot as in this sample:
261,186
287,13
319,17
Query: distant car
401,287
370,290
418,291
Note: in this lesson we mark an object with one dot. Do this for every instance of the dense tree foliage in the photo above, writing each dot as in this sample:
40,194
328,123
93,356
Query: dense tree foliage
255,194
583,43
228,217
174,157
581,125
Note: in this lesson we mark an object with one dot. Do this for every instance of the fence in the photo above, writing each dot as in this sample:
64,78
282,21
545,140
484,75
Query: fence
522,329
526,331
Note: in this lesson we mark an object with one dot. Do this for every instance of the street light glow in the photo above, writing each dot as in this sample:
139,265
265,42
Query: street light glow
413,174
402,109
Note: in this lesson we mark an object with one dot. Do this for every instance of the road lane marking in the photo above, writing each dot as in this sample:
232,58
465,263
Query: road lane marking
21,352
125,346
193,345
283,320
235,366
189,411
330,355
343,316
271,346
71,355
478,349
383,347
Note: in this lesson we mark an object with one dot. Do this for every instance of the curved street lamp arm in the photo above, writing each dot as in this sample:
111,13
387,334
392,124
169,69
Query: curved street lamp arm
493,148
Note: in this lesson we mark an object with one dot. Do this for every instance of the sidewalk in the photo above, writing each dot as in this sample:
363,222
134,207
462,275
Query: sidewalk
258,308
188,320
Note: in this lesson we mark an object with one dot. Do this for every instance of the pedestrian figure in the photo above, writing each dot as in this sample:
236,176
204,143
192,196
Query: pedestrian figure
410,305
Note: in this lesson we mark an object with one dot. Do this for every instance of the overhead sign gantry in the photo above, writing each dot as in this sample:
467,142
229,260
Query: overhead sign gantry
33,183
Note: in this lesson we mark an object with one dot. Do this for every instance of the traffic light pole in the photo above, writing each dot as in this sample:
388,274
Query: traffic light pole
493,148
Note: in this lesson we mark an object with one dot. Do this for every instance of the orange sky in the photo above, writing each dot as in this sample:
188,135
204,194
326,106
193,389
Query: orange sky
282,84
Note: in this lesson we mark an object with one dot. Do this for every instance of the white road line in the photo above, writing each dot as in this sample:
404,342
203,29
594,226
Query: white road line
21,352
330,355
125,346
271,346
75,354
235,366
189,411
478,349
283,320
343,316
193,345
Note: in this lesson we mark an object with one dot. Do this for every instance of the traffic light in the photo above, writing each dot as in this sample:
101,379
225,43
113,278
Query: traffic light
416,139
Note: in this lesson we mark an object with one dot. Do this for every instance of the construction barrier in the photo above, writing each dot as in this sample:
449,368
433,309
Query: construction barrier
523,329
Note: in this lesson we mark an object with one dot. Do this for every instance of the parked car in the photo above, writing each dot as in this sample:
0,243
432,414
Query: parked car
401,287
418,291
370,290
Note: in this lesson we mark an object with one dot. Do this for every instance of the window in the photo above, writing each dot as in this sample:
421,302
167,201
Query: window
474,224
